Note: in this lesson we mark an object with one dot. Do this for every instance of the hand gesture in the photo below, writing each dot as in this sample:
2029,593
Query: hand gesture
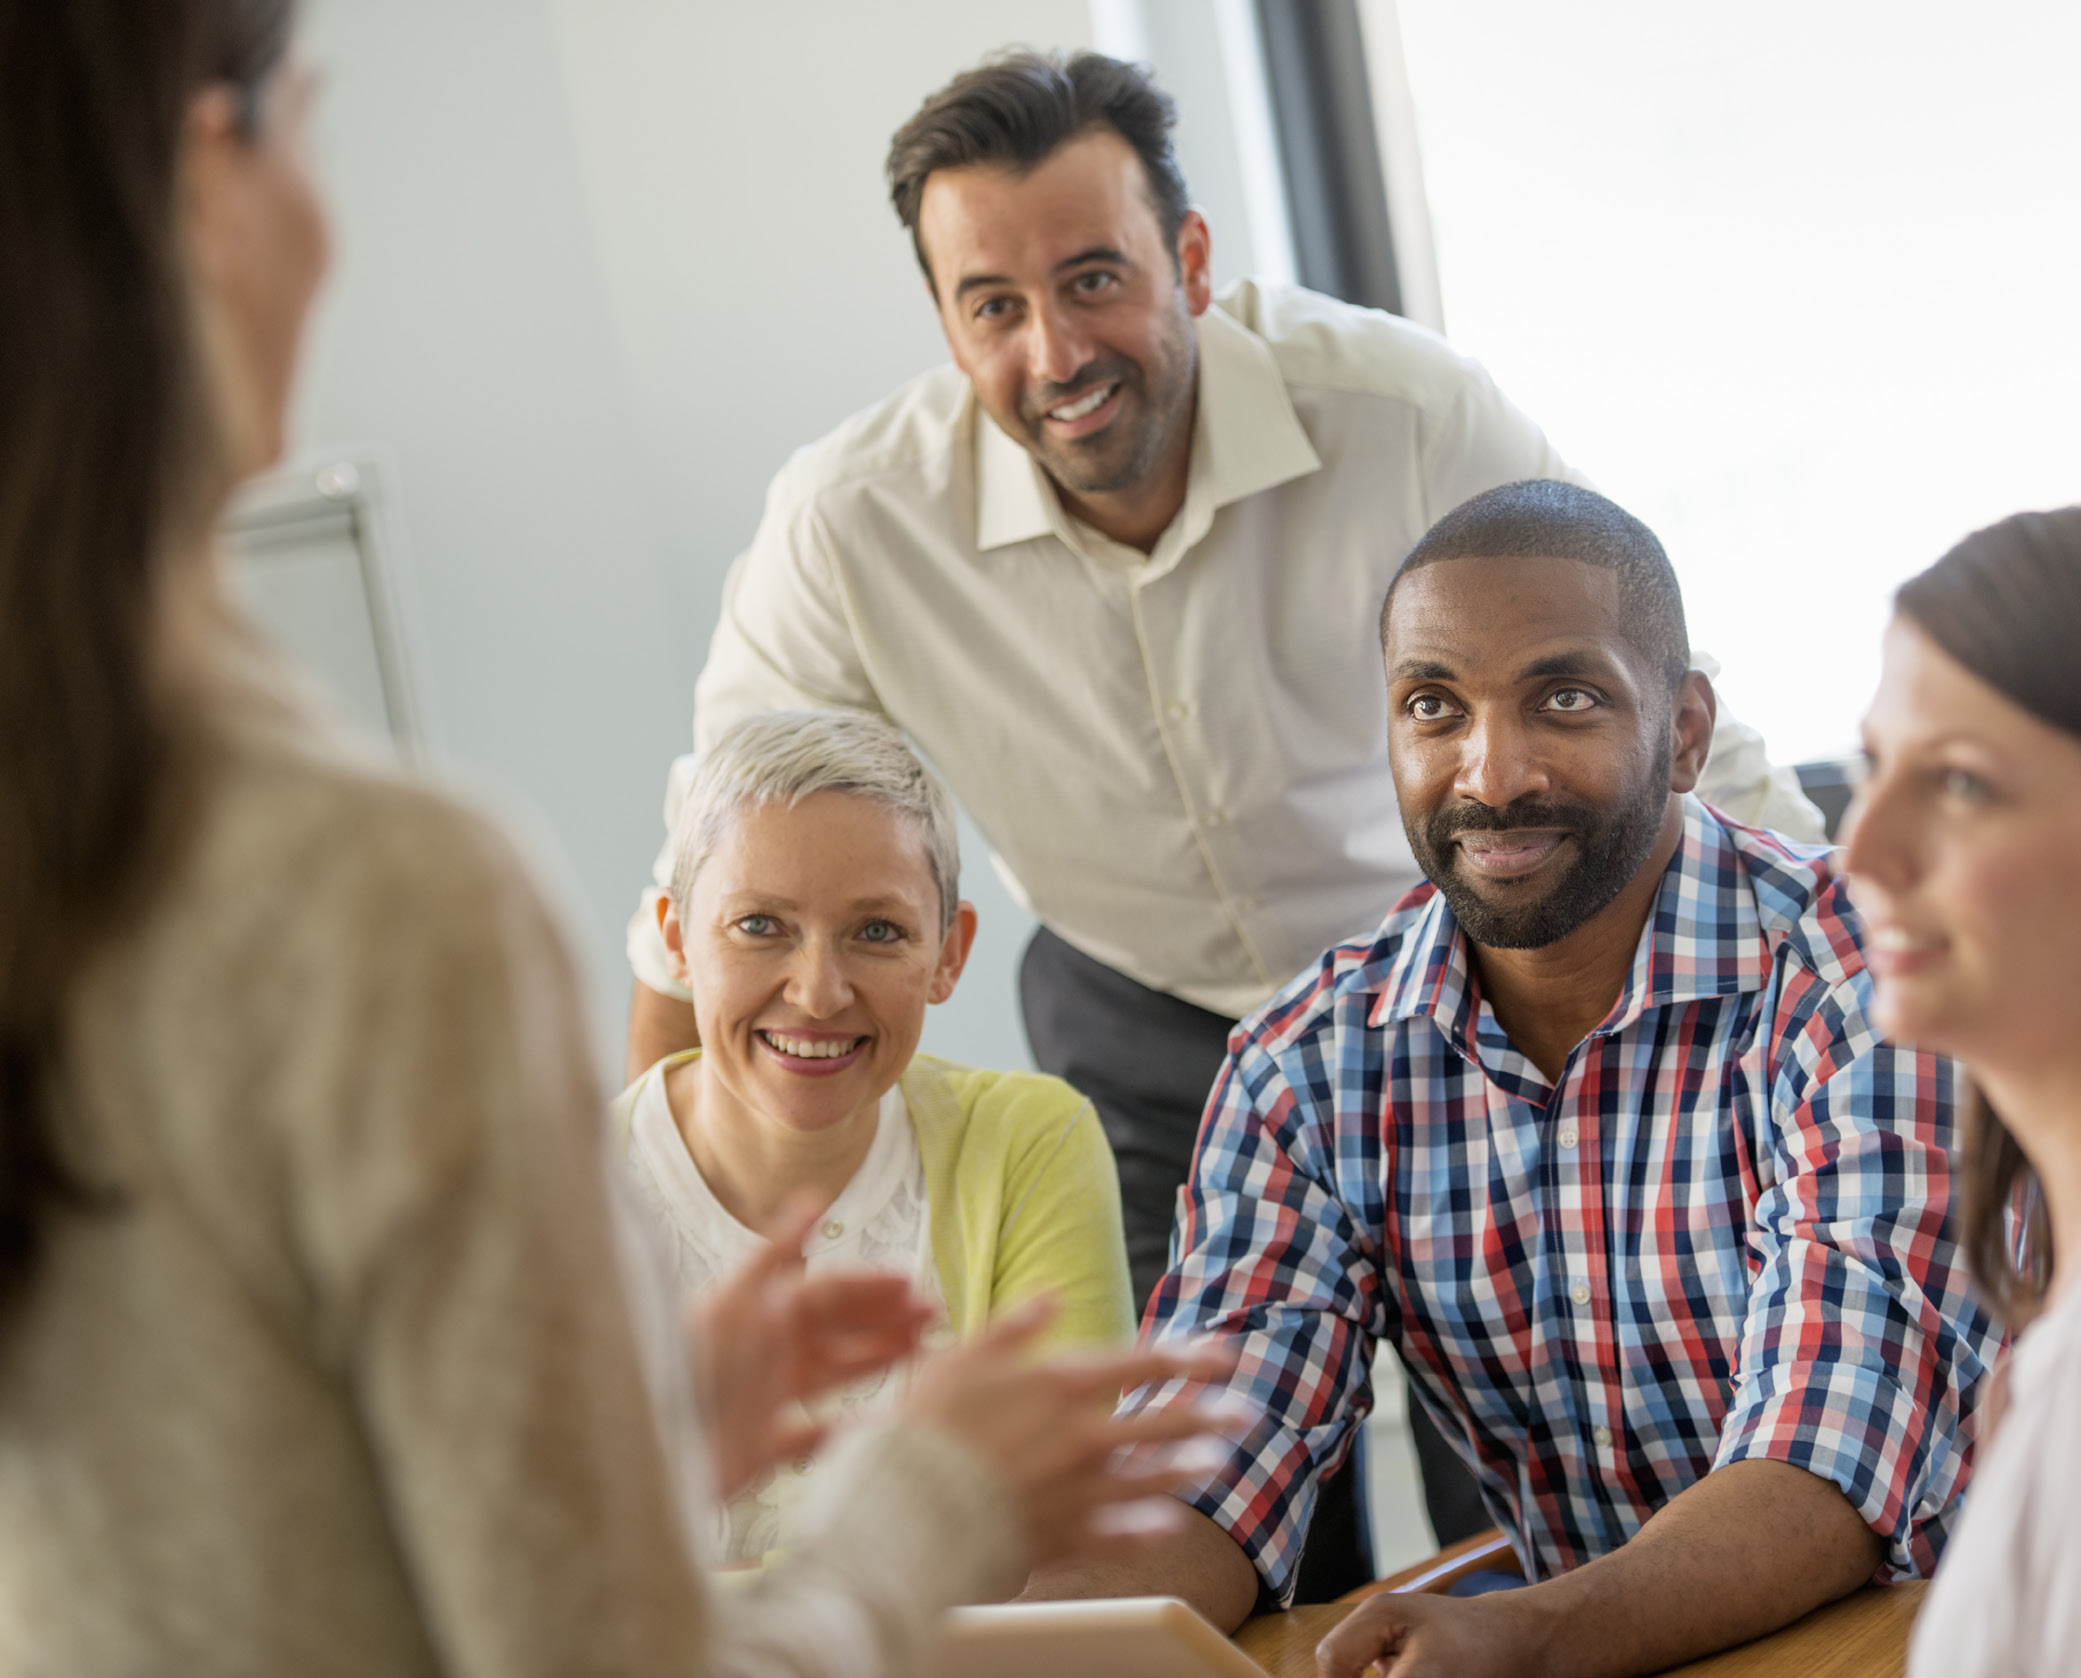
772,1337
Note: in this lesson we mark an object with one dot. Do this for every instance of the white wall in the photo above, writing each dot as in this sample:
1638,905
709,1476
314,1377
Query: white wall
602,265
1794,283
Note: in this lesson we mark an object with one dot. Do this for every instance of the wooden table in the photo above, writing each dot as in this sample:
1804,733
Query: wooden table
1865,1635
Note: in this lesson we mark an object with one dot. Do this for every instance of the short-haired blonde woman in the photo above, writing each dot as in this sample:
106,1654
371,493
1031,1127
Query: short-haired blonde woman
1963,861
815,914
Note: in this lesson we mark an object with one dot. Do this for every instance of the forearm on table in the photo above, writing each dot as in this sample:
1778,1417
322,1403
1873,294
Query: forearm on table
1200,1564
1750,1548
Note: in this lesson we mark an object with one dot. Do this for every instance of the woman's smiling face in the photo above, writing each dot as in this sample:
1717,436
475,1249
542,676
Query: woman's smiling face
1962,857
812,945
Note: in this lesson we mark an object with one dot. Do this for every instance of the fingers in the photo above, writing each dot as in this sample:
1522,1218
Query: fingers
1122,1371
1171,1422
863,1301
1371,1632
792,1221
1018,1327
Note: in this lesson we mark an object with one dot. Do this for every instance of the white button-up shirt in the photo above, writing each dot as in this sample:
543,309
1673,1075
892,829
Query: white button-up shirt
1180,759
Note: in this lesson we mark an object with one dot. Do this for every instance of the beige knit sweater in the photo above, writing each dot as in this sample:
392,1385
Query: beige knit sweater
344,1380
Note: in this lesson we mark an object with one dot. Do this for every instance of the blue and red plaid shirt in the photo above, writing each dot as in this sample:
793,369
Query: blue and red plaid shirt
1722,1235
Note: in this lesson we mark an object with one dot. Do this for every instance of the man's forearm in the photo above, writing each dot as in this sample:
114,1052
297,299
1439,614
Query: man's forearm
1748,1549
1201,1564
659,1025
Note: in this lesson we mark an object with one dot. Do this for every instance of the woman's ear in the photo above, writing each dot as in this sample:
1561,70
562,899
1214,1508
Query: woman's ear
675,939
1694,709
953,952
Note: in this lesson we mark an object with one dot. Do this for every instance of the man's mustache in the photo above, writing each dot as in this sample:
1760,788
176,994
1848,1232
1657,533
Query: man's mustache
1471,817
1103,371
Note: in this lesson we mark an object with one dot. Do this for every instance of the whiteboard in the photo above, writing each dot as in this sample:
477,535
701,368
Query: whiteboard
309,563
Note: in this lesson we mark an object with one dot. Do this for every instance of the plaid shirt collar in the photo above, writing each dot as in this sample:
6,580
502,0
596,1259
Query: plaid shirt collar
1704,938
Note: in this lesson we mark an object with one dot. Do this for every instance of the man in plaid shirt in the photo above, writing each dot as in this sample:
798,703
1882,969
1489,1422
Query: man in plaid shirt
1596,1132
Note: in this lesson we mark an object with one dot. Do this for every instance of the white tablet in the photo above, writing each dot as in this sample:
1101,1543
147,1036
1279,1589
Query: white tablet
1126,1637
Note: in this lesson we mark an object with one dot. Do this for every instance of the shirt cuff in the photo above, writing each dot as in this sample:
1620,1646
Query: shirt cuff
920,1515
904,1523
1852,1425
1262,1492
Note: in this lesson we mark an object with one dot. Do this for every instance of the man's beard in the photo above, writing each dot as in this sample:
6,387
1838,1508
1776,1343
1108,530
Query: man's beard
1611,843
1154,400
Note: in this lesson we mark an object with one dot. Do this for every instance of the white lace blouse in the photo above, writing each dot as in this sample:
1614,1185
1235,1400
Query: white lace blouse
880,1221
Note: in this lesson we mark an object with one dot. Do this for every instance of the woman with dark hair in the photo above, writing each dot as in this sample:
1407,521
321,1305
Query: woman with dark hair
1963,860
314,1350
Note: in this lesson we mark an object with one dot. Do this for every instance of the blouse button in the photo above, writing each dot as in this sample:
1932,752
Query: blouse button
1569,1137
800,1465
833,1229
1603,1437
1580,1293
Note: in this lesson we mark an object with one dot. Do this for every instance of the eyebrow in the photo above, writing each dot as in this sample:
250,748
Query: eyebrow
1577,661
755,902
1097,253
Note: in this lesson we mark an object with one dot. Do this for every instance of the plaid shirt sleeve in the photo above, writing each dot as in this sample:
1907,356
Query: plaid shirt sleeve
1861,1348
1267,1257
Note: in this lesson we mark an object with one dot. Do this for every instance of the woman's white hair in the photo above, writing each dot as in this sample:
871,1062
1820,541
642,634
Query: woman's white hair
783,757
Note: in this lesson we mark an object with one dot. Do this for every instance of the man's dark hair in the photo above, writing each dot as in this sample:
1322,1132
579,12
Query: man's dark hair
1017,109
1544,518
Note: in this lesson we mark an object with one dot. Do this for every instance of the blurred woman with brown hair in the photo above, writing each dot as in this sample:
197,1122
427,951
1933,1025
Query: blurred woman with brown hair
1965,859
314,1352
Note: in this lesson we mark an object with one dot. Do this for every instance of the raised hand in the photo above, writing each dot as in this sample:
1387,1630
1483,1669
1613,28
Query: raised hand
772,1338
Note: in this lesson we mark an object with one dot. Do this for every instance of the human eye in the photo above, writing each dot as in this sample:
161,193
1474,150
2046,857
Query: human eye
995,310
1573,701
1093,281
1963,785
1429,707
757,926
881,932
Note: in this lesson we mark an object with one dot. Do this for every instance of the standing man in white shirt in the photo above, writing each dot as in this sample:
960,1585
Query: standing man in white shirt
1117,572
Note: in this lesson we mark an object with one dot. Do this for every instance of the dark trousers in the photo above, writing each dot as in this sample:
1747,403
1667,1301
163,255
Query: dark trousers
1147,1062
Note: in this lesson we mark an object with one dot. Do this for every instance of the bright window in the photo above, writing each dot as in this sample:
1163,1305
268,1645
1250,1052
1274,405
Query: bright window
1795,282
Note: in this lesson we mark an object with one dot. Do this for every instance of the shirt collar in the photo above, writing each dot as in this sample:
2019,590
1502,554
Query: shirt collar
1704,938
1245,438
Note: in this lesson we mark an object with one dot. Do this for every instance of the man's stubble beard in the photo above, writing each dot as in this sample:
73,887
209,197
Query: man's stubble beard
1156,400
1610,848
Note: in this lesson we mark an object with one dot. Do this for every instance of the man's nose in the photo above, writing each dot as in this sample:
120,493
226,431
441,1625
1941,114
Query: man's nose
1497,763
1057,349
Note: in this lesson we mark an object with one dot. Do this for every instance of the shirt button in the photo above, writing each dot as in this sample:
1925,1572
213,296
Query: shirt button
801,1465
833,1229
1212,818
1580,1293
1569,1137
1178,710
1245,905
1603,1437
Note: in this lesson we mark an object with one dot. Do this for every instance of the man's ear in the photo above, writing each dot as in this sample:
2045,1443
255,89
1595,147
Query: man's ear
1693,710
1195,262
953,952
